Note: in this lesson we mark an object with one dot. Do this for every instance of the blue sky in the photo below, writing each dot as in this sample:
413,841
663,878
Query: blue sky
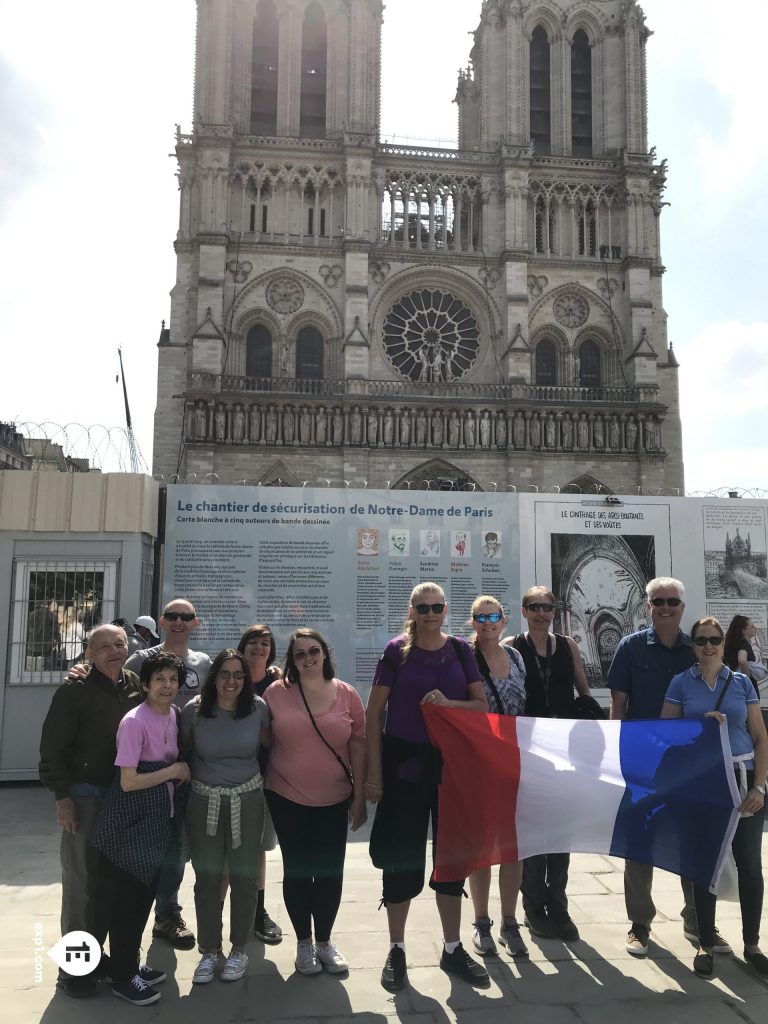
88,202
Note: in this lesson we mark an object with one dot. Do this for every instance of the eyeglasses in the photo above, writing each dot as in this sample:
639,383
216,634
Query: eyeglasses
659,602
311,653
184,616
484,617
702,641
423,609
239,676
539,606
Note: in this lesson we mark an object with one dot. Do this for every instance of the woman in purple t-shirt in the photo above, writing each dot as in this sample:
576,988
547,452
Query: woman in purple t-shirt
423,666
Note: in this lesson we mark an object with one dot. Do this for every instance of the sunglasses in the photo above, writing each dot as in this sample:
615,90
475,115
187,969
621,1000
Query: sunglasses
231,675
424,609
659,602
311,653
539,606
702,641
184,616
489,617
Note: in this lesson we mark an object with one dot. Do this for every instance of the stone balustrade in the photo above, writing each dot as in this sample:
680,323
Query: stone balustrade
267,423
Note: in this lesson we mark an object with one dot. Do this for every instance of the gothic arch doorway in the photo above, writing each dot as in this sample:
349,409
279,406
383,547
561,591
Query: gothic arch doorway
436,475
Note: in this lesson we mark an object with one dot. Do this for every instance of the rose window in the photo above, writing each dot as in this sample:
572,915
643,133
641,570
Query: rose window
431,336
571,310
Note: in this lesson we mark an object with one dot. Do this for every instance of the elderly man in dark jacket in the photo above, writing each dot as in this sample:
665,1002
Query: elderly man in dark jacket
77,763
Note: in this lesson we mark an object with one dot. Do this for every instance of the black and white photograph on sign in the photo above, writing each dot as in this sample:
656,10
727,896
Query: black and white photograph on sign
491,545
599,587
399,543
735,553
430,543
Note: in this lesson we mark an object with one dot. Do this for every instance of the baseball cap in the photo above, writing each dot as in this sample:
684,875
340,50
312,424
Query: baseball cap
149,623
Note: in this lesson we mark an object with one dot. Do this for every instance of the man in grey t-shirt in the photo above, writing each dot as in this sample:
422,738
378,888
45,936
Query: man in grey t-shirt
178,621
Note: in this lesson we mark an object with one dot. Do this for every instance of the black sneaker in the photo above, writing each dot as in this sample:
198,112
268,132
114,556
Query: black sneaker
539,924
461,964
395,976
566,929
136,991
174,930
264,928
78,988
146,973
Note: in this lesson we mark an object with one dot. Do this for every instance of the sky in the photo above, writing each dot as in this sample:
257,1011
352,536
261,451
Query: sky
90,93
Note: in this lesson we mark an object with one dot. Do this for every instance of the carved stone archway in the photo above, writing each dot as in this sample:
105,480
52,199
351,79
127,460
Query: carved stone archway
436,475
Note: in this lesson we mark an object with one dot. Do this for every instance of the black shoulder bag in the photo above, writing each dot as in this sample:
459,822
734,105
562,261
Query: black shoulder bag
347,772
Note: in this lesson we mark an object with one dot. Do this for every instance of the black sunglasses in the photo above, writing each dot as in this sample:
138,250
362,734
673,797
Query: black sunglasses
702,641
539,606
659,602
488,617
184,616
313,652
423,609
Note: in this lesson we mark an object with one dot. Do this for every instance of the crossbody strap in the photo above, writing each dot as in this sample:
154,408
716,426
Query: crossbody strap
724,690
347,772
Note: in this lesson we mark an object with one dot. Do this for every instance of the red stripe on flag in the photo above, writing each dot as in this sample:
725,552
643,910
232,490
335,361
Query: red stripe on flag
476,810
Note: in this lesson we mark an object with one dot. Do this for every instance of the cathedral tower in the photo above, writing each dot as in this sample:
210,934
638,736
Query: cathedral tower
487,316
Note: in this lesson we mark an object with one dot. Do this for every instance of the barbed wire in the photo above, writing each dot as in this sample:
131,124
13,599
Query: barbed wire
106,448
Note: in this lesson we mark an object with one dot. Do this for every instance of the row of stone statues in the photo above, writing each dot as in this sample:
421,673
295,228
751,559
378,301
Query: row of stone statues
423,428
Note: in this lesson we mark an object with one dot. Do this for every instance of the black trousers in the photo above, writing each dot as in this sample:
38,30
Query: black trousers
122,914
313,842
545,877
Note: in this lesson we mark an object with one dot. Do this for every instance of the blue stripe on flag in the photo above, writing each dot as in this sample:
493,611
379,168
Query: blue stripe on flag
678,809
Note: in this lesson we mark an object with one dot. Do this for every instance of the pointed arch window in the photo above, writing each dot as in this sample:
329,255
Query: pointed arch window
314,73
587,229
546,363
309,354
541,120
581,95
590,364
545,226
264,70
258,352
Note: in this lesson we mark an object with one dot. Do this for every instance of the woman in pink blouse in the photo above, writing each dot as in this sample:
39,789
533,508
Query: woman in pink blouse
314,788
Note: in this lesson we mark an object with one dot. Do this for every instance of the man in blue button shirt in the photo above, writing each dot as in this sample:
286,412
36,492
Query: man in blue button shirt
641,671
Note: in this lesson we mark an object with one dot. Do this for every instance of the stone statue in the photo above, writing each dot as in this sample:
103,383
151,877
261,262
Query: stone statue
200,422
613,433
238,424
632,434
373,427
271,425
566,431
485,431
469,430
534,431
289,425
598,434
423,358
576,371
438,362
305,426
651,435
437,429
501,430
321,425
454,430
388,428
338,426
355,425
405,428
582,432
421,428
220,423
550,431
518,431
284,359
255,424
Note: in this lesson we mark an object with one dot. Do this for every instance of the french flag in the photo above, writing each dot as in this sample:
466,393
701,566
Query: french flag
661,792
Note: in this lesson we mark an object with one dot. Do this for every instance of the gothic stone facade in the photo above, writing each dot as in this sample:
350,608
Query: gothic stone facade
346,310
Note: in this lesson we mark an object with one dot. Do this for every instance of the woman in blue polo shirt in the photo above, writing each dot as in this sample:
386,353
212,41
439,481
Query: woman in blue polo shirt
710,688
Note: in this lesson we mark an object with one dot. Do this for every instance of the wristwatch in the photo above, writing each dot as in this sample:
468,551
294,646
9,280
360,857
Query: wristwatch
759,789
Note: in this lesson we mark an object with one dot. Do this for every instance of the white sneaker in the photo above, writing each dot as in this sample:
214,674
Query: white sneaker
235,967
206,969
331,958
306,961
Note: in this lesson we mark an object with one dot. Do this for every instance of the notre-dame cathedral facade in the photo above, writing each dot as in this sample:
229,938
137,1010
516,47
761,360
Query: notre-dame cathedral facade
486,317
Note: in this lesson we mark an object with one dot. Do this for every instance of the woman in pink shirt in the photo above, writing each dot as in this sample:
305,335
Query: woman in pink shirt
314,788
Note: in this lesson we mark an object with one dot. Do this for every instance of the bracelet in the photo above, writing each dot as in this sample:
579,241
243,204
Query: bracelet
758,789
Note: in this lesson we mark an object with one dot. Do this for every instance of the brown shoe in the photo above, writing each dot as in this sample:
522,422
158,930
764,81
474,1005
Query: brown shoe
174,930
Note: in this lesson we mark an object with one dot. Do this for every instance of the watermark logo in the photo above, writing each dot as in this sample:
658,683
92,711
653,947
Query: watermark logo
76,953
